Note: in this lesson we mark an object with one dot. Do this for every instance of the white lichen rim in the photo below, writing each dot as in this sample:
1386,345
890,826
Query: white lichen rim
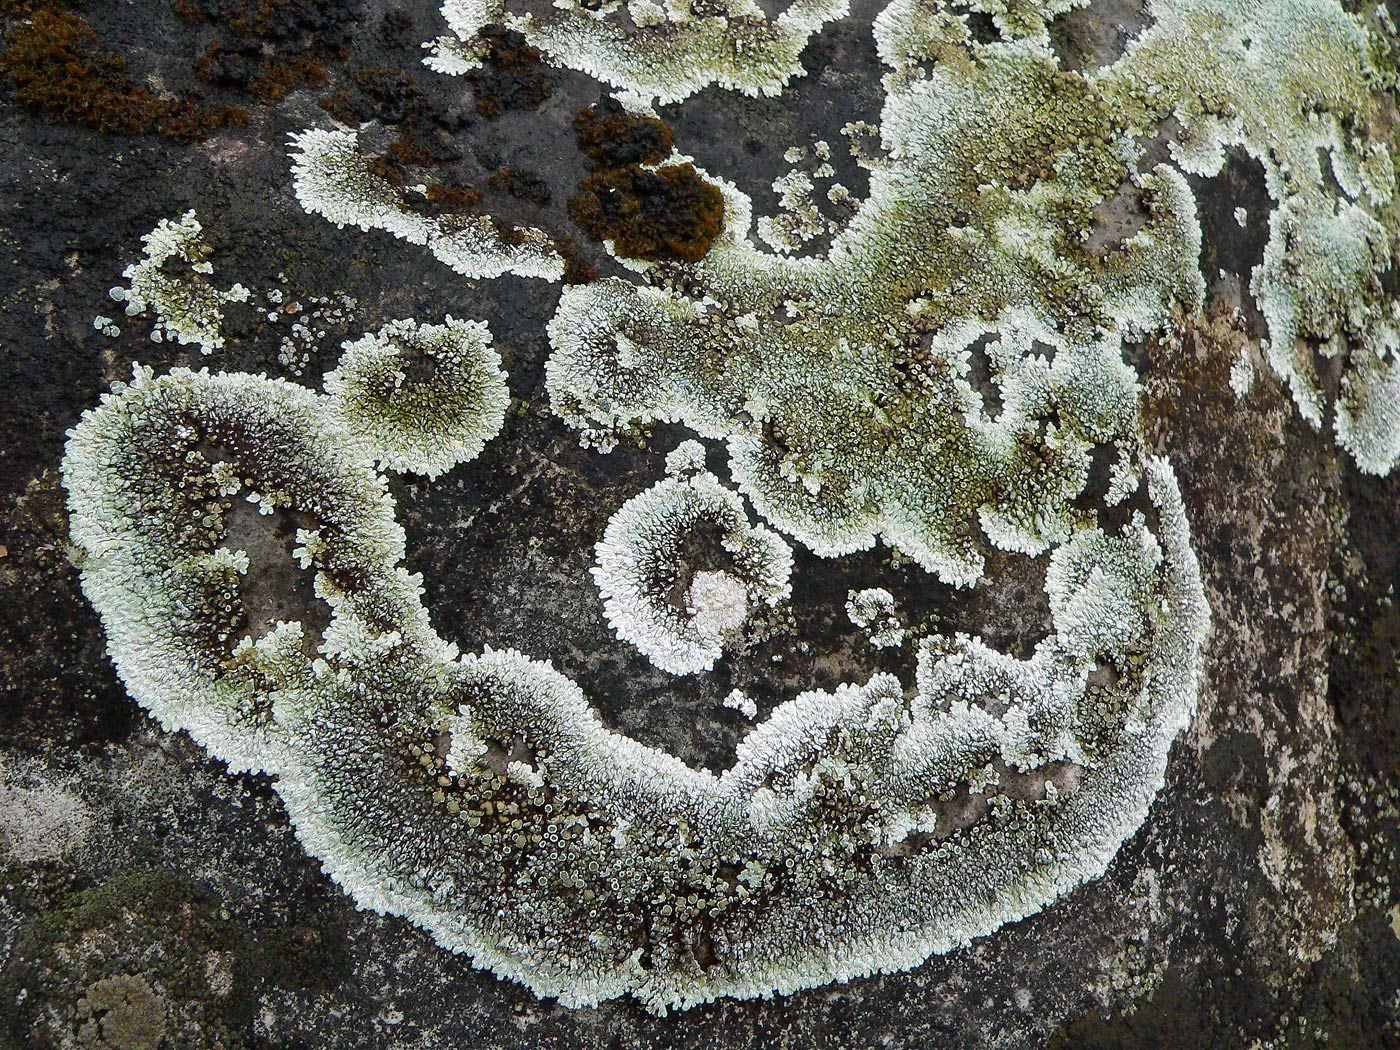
331,179
832,786
669,55
636,567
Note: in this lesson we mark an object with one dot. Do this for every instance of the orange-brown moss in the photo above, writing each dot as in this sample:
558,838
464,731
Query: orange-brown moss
410,151
341,106
670,213
577,269
446,199
57,67
610,137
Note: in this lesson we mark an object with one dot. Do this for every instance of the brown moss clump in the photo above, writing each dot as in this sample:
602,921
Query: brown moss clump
389,96
446,199
58,68
410,151
443,197
270,48
512,74
666,213
522,185
577,269
670,213
610,137
341,105
21,8
267,81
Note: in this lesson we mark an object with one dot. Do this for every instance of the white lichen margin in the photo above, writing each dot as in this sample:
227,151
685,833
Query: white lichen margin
332,179
679,616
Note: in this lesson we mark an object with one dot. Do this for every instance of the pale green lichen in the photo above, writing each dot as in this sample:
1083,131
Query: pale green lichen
672,49
427,396
480,795
944,379
172,280
332,179
679,615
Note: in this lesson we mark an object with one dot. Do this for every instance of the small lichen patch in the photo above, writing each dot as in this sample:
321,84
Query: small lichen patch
873,610
427,396
173,281
680,614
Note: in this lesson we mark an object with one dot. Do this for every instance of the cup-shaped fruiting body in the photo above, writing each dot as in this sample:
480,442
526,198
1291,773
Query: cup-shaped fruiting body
333,179
172,280
681,567
427,397
858,830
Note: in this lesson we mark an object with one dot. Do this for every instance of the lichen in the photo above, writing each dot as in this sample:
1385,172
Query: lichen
427,396
334,179
659,591
949,378
669,52
491,769
172,281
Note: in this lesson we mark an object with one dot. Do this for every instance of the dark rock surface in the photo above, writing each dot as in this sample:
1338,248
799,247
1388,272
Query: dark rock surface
1258,905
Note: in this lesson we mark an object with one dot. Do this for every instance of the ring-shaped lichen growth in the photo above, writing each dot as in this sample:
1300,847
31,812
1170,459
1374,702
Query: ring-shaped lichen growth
946,377
665,593
426,396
